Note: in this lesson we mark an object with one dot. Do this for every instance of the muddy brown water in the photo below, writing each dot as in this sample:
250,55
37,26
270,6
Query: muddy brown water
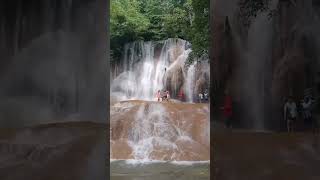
160,131
161,170
172,143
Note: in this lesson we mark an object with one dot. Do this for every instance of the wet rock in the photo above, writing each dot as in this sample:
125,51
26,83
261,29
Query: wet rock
167,131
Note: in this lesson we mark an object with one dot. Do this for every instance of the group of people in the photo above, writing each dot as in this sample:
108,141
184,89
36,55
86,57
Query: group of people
203,97
305,108
163,95
291,112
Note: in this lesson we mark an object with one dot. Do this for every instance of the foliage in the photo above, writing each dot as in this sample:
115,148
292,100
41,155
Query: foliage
200,28
126,24
250,8
153,20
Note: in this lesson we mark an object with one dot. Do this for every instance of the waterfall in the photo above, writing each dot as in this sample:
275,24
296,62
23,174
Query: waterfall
190,82
148,67
50,56
258,57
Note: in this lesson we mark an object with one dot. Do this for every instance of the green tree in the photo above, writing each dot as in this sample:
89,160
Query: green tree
200,27
249,9
153,20
126,24
177,22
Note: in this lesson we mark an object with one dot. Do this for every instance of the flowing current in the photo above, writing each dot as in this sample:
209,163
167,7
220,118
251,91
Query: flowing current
144,130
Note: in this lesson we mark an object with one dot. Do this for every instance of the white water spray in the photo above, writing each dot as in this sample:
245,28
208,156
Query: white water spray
190,82
147,66
152,130
258,58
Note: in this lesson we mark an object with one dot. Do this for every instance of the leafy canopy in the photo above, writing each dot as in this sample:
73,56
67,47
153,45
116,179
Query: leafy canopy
153,20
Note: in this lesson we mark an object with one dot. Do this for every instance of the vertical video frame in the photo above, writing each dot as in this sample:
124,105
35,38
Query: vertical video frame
159,89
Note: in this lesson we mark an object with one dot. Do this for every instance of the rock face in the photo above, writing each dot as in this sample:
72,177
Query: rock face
271,59
53,58
175,79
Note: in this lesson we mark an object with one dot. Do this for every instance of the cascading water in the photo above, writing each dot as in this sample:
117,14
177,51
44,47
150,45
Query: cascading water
258,57
190,82
151,130
151,66
143,130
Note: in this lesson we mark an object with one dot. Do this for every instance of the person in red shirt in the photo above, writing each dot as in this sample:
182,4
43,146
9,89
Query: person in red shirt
181,95
227,110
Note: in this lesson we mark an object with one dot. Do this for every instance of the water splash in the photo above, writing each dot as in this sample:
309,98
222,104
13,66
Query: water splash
152,130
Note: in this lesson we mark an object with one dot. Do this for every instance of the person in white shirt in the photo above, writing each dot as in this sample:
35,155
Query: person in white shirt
206,95
200,97
306,110
290,114
307,106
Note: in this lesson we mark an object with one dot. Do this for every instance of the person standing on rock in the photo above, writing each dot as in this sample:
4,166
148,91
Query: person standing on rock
290,114
159,95
168,95
200,97
306,110
311,102
227,110
164,95
181,95
206,95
